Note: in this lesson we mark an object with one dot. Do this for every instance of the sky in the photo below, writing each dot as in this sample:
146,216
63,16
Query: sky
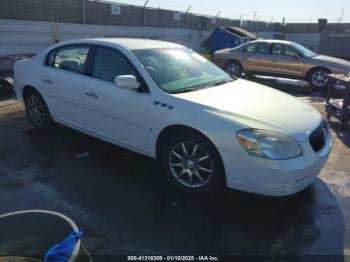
295,11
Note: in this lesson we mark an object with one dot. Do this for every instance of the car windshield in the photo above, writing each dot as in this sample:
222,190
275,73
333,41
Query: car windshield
303,50
178,70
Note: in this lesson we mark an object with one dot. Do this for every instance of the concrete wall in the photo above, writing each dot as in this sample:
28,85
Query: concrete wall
337,45
314,28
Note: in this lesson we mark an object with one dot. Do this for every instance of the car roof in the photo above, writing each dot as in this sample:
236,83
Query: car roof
276,41
128,43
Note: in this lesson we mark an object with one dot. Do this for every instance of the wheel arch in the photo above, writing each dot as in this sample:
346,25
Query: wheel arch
27,89
173,129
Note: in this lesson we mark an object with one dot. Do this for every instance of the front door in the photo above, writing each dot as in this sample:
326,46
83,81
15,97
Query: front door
118,115
285,61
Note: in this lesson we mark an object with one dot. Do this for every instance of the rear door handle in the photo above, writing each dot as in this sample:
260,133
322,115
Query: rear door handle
47,81
92,94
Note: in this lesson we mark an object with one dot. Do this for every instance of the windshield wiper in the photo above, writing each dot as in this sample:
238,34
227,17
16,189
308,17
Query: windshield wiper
185,90
219,83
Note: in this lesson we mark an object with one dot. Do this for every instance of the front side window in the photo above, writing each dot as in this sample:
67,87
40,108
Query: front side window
258,48
289,51
303,50
178,70
71,58
110,63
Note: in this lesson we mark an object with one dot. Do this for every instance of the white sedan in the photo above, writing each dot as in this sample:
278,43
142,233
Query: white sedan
167,102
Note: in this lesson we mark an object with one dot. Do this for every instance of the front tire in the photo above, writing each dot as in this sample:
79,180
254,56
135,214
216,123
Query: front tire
192,163
318,79
37,111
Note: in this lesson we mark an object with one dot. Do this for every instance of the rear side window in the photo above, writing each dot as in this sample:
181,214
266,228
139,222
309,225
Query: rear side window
277,49
258,48
109,63
71,58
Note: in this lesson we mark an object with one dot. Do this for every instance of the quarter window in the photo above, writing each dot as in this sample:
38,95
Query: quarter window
109,63
71,58
50,58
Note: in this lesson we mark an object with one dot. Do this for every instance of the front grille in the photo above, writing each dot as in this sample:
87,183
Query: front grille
318,136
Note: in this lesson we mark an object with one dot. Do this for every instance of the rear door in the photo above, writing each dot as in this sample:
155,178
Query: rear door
64,77
255,57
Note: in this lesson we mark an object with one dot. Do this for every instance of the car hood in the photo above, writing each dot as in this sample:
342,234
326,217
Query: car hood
333,61
257,106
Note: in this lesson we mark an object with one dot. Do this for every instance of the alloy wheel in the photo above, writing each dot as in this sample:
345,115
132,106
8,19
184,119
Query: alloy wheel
191,164
36,110
319,78
233,70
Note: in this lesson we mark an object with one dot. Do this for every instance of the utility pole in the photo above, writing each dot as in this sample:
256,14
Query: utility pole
341,16
188,9
144,13
187,24
240,20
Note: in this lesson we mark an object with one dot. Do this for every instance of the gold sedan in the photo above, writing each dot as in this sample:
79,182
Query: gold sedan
280,59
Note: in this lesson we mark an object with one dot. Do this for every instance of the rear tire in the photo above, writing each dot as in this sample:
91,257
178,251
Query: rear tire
197,168
233,69
37,111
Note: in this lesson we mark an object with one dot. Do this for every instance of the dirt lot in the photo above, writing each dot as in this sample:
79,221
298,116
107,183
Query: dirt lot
125,206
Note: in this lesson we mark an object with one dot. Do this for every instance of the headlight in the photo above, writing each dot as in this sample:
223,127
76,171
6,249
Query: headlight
268,144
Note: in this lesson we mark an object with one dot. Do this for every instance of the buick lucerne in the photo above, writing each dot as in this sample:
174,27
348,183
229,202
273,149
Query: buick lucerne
167,102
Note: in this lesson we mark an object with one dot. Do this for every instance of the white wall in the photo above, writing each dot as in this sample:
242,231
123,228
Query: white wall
18,37
28,37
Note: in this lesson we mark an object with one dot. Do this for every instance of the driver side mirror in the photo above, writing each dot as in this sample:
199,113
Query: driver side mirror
127,82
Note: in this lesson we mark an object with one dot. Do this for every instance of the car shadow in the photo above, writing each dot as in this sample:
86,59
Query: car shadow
125,205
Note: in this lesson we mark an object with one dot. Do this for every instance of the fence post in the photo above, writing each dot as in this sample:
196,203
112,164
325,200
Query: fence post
84,11
55,32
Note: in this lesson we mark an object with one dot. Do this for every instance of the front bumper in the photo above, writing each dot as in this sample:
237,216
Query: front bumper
275,177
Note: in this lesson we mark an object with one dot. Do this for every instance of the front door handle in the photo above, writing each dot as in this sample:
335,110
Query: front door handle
47,81
92,94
